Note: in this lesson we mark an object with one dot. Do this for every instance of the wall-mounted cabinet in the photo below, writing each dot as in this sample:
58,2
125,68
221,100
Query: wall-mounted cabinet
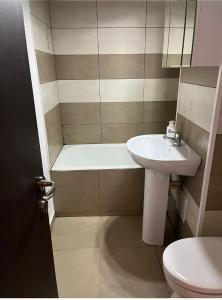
178,32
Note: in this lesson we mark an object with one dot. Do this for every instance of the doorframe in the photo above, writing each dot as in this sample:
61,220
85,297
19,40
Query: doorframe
37,99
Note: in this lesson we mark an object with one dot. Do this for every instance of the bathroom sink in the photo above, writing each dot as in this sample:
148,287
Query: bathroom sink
160,158
154,152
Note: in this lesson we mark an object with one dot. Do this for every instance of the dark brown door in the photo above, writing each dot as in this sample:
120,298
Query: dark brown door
26,260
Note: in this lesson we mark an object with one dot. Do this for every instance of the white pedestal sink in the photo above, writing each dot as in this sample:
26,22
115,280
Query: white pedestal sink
160,159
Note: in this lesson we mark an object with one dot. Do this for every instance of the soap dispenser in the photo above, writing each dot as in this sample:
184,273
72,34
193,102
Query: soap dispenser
171,130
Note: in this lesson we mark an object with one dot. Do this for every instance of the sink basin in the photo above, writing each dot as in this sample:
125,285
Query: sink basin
159,158
154,152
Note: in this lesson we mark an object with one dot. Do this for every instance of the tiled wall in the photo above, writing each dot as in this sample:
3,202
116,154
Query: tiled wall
108,62
194,116
47,75
213,214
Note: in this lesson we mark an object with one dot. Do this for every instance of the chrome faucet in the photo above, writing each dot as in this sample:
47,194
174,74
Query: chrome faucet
175,140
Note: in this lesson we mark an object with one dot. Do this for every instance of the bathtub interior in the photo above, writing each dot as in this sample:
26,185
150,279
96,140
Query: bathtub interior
93,157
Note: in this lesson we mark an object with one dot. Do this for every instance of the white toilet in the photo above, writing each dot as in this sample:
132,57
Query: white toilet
193,267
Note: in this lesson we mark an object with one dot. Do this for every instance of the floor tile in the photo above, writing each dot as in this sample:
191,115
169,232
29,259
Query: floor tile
121,231
131,272
76,233
77,273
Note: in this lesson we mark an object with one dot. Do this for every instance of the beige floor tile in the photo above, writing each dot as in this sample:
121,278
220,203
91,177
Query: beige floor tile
131,272
76,233
121,231
77,273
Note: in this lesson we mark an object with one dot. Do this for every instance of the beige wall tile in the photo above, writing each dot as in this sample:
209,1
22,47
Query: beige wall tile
40,35
202,106
76,233
121,90
155,13
75,41
50,96
120,133
154,128
82,67
82,134
188,41
120,267
160,89
121,112
77,191
54,133
121,231
127,188
212,225
80,113
214,197
73,14
79,91
121,40
154,40
50,41
154,69
46,67
121,13
76,270
185,97
182,230
121,66
175,45
159,111
41,10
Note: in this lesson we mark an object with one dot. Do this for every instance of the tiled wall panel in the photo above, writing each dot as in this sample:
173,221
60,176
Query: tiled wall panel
196,99
47,75
108,62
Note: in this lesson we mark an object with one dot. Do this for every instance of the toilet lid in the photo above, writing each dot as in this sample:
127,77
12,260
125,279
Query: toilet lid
196,263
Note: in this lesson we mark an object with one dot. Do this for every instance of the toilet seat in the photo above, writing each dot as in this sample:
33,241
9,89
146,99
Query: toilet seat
195,264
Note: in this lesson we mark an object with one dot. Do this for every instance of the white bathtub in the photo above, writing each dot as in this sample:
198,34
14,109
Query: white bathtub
94,157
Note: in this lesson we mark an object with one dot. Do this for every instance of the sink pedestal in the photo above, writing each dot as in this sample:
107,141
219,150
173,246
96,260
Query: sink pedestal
156,190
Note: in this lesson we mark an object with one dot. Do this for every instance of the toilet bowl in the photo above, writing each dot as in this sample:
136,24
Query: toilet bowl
193,267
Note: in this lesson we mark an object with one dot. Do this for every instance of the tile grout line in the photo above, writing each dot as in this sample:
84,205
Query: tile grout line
144,71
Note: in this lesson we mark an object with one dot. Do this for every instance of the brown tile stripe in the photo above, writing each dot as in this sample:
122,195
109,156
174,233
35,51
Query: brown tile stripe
117,66
46,67
197,138
159,111
121,112
214,197
151,112
79,67
82,134
154,69
120,133
54,133
112,66
80,113
217,157
154,128
206,76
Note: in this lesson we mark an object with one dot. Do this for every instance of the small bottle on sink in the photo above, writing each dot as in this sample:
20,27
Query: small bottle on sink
171,130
